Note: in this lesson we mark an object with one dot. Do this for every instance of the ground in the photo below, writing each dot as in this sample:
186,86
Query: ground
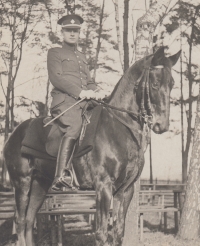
154,235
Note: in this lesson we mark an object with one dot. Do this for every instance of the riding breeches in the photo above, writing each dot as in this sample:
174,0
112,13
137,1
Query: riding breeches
70,122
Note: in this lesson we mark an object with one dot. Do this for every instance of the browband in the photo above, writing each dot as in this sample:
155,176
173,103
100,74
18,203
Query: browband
159,66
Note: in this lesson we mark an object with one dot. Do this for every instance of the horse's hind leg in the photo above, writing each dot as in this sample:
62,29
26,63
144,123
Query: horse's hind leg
39,189
121,202
21,179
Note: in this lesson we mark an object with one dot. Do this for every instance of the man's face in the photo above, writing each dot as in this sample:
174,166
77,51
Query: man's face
71,35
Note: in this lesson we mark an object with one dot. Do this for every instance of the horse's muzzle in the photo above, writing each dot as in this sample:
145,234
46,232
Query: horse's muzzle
158,129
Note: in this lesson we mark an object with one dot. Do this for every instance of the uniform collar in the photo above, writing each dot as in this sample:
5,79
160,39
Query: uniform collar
67,46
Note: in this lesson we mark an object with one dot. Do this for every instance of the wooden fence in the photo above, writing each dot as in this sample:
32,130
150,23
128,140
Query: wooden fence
58,206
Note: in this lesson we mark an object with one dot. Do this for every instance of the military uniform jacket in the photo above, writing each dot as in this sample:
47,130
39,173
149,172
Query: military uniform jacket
68,72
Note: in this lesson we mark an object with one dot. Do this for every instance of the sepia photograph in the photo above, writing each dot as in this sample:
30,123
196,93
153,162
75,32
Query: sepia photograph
99,122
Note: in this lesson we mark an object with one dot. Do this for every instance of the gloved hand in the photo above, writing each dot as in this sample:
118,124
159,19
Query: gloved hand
87,94
100,95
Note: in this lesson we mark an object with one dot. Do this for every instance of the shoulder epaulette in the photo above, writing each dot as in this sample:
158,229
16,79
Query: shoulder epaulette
55,48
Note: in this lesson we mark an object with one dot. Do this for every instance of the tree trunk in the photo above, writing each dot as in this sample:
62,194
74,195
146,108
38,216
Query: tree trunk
125,36
86,39
146,26
150,160
189,224
10,82
99,40
189,117
116,3
184,171
150,2
7,117
144,36
12,116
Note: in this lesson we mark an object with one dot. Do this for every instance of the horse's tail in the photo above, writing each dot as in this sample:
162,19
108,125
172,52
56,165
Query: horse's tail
13,143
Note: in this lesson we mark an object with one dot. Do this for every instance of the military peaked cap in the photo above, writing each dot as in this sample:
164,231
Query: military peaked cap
71,21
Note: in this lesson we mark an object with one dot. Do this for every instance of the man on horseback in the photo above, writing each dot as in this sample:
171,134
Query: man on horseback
69,74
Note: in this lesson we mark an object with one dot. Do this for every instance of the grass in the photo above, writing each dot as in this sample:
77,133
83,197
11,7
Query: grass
161,239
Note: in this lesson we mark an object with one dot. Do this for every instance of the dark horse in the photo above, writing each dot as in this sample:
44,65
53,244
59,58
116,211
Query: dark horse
117,158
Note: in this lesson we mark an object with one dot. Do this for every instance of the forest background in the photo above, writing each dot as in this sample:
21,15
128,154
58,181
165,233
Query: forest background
29,28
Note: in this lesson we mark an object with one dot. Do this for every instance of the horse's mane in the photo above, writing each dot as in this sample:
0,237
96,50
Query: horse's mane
129,77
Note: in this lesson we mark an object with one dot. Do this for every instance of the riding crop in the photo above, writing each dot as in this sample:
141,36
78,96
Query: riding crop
66,110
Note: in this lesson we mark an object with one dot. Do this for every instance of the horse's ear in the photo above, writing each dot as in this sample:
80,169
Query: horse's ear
174,58
158,57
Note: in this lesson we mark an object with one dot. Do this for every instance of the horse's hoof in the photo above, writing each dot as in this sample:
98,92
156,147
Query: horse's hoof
14,238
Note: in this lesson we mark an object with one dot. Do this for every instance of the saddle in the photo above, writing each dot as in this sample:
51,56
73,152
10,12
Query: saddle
44,143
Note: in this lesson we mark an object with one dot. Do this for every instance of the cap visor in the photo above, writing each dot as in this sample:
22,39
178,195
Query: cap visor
71,26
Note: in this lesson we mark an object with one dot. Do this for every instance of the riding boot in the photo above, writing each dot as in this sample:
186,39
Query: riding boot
63,176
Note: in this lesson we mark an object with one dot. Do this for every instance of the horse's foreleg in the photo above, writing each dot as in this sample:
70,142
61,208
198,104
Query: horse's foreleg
121,202
39,189
104,195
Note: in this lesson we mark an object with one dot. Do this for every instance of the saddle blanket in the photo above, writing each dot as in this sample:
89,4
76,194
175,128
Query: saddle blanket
36,138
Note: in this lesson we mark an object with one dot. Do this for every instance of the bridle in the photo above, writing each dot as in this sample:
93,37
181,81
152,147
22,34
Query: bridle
145,115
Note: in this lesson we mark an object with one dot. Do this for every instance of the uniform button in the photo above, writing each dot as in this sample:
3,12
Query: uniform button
80,72
80,67
82,86
79,61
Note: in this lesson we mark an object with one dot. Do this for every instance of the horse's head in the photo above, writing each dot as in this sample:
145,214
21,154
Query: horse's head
160,86
152,82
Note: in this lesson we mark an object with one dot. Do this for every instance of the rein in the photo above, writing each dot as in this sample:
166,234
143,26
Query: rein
106,105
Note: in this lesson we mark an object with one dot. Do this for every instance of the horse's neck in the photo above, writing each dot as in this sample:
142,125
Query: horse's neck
124,95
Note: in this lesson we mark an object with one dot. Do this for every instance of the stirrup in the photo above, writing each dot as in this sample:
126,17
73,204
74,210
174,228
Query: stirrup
71,177
63,181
